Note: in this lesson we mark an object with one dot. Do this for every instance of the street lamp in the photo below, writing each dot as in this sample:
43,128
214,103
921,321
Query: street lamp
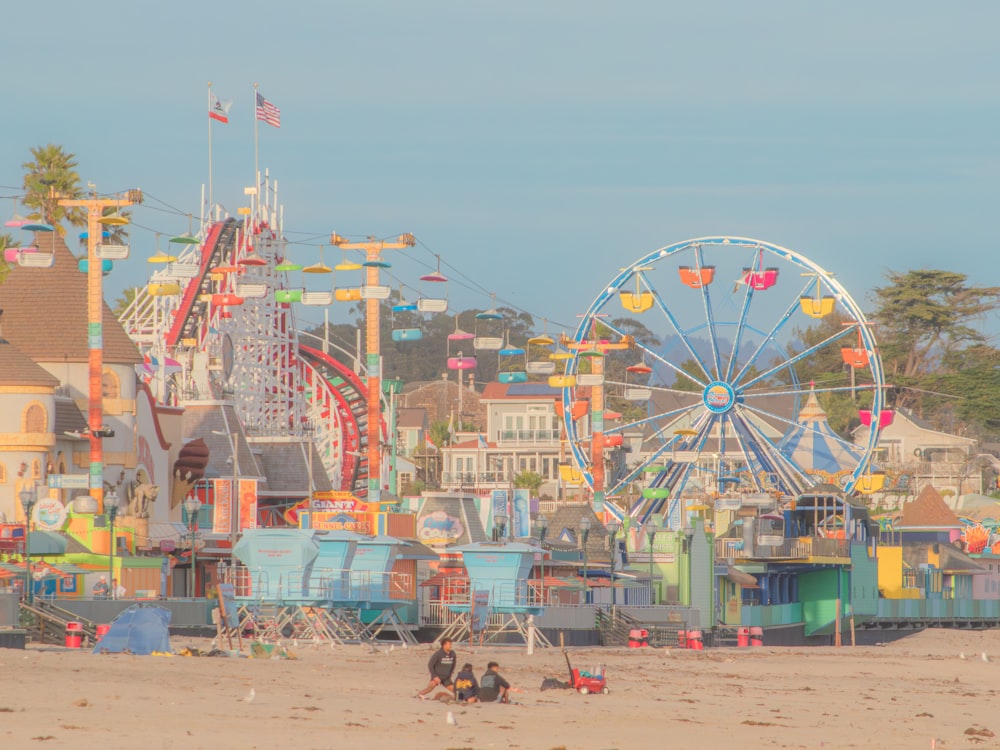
499,525
192,505
584,533
111,501
28,498
542,524
652,526
612,528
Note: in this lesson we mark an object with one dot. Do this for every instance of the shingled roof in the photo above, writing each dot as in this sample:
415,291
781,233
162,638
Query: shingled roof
17,368
928,510
45,311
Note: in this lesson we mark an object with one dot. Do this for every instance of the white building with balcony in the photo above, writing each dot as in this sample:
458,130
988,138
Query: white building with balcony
523,431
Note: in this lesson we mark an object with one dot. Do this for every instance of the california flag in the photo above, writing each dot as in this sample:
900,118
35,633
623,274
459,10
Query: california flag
219,109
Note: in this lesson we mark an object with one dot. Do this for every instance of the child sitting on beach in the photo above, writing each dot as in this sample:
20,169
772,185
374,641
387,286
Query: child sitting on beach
466,687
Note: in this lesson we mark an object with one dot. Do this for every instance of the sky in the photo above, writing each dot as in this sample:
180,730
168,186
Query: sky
537,147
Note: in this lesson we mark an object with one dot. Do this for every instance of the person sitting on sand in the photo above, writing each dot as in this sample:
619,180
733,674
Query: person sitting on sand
441,666
492,687
466,687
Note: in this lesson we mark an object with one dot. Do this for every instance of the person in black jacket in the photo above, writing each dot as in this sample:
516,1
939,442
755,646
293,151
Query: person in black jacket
441,666
493,687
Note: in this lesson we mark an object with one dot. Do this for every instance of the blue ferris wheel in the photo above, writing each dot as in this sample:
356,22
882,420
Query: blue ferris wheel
726,337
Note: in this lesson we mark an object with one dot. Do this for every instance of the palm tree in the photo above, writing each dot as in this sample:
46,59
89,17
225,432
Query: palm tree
47,179
6,241
529,480
117,233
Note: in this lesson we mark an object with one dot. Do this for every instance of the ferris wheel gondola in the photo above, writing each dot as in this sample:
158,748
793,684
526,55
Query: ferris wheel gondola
718,384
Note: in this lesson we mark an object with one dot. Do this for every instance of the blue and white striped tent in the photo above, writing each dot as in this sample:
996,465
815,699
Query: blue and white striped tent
813,445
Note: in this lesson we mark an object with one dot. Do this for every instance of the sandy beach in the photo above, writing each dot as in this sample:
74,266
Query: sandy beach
912,693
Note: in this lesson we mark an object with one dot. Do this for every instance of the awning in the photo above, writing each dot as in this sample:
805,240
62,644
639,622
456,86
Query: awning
46,543
742,579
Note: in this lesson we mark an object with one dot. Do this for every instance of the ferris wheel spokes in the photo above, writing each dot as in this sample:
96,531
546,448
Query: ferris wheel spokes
648,420
658,357
793,423
793,359
706,299
658,302
771,459
768,339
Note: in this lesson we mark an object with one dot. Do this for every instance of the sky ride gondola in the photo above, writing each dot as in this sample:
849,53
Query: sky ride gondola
724,364
855,356
402,331
511,362
489,330
458,361
536,365
163,288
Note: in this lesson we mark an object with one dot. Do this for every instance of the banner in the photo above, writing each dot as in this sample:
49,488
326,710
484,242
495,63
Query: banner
520,516
248,503
222,517
499,503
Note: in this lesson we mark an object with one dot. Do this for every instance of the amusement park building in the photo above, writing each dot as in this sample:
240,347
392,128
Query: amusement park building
45,390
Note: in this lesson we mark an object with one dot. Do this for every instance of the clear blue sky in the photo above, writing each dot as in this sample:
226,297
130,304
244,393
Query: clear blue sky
538,146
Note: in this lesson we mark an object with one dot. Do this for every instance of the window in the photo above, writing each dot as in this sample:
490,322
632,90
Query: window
110,385
35,418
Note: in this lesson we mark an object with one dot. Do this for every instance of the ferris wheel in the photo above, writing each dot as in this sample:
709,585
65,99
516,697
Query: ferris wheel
697,360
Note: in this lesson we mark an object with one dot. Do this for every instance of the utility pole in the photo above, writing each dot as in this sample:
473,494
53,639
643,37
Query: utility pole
95,331
373,355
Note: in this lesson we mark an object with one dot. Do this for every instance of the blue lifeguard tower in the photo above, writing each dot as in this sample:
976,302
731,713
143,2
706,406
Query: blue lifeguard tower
499,599
313,585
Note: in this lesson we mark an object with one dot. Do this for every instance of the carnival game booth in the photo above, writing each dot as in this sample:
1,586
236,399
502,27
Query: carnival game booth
310,585
498,603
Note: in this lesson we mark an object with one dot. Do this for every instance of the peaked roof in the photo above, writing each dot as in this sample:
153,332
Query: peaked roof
928,510
812,445
45,311
16,368
520,391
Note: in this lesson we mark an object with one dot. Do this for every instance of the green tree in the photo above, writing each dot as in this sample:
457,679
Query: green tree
924,318
529,480
50,177
122,303
439,433
6,241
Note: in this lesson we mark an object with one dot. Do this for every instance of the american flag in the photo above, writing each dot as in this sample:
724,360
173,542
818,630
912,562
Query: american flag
268,112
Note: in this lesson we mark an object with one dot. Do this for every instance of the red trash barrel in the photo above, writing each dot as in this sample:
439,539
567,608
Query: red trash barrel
634,638
682,638
743,637
756,636
74,634
694,640
101,630
644,638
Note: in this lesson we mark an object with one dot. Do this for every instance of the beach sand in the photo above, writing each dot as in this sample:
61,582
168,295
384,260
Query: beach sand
912,693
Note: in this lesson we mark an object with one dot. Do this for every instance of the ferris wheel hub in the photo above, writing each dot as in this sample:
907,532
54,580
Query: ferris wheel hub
719,397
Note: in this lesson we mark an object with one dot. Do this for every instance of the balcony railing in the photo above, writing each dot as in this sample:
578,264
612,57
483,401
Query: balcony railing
548,437
798,548
320,585
470,479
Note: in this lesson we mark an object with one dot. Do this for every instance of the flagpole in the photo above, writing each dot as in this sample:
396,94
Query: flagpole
256,168
211,209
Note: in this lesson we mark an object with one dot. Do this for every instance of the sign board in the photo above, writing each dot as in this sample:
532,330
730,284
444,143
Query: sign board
228,610
480,613
49,514
69,481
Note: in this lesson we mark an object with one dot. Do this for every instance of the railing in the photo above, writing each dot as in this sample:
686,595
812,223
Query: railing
470,479
530,436
320,585
797,549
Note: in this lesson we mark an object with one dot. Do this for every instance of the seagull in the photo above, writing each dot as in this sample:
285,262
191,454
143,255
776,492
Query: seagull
961,654
451,719
250,696
984,657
